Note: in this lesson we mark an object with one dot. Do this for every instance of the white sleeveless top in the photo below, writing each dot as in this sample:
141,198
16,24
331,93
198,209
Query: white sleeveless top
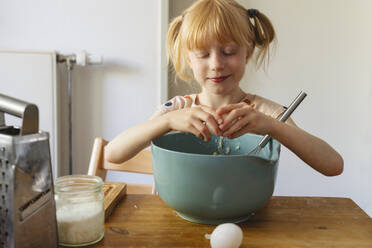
259,103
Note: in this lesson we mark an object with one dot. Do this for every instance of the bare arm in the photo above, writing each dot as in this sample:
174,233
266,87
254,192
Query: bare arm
133,140
312,150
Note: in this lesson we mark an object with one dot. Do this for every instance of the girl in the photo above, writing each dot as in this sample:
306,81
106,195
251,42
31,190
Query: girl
212,42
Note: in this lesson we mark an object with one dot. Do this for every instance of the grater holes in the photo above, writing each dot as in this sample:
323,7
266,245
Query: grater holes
4,164
3,175
5,187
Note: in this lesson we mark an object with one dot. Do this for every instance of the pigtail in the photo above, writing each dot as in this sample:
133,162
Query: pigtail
174,50
264,34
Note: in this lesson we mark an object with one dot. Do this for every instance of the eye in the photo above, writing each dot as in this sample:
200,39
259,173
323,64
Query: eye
201,54
229,51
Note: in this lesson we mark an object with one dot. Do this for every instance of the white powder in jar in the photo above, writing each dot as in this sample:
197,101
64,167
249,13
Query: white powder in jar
80,223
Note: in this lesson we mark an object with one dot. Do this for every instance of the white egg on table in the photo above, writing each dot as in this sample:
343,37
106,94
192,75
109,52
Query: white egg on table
227,235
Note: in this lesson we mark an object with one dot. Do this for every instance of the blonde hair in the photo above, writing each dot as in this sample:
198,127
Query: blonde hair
227,21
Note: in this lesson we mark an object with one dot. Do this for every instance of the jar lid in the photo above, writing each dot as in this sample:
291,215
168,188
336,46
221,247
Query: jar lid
78,183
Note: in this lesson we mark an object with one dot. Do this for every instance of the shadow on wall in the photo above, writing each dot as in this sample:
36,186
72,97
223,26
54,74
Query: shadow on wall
178,87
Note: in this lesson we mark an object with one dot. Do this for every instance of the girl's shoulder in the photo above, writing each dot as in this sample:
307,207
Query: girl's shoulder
264,105
175,103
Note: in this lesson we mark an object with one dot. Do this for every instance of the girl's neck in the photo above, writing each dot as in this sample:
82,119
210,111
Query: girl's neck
216,100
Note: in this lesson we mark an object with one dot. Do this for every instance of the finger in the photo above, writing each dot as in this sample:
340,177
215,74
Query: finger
234,116
231,113
210,111
202,128
209,120
228,108
212,125
195,131
217,118
239,133
238,125
225,109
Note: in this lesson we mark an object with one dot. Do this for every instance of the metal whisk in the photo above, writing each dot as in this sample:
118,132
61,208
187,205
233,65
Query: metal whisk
283,118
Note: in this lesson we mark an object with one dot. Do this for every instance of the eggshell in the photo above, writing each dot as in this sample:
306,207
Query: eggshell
227,235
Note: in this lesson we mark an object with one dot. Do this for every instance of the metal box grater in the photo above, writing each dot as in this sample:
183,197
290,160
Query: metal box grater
27,207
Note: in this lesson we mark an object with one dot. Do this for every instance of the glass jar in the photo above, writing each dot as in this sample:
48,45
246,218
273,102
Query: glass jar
80,211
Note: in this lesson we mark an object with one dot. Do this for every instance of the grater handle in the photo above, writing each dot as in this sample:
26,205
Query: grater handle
28,112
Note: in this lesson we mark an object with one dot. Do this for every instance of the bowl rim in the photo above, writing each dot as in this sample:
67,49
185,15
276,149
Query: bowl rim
271,159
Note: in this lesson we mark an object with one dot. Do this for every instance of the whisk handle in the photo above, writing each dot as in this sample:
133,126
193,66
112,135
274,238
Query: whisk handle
293,106
264,141
285,115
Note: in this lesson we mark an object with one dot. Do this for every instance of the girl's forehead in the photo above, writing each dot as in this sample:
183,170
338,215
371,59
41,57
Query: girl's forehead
210,41
213,43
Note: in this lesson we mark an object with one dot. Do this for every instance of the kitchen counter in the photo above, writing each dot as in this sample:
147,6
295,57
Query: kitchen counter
146,221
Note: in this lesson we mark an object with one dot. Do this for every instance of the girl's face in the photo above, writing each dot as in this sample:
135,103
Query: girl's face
219,68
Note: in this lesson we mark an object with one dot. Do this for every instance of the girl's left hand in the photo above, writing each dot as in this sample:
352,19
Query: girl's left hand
241,118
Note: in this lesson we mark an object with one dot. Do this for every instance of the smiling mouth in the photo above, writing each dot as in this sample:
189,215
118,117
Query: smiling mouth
219,79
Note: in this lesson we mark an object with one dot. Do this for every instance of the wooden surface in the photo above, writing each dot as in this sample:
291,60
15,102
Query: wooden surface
113,192
285,222
139,189
141,163
98,166
97,159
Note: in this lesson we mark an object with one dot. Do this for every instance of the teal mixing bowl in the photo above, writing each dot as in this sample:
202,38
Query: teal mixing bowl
214,182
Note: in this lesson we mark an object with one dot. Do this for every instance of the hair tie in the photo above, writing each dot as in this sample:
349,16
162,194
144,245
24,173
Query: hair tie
252,13
183,15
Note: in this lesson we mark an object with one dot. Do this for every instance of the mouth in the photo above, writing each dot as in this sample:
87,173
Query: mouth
219,79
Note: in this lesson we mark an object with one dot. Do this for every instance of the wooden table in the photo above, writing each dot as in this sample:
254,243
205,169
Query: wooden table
146,221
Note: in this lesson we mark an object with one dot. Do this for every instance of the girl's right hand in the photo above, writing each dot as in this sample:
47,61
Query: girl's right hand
241,118
199,120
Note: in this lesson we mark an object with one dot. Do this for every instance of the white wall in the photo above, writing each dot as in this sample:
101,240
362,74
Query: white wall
108,98
323,48
41,68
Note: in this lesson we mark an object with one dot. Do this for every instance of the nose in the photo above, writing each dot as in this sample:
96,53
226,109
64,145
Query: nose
216,62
